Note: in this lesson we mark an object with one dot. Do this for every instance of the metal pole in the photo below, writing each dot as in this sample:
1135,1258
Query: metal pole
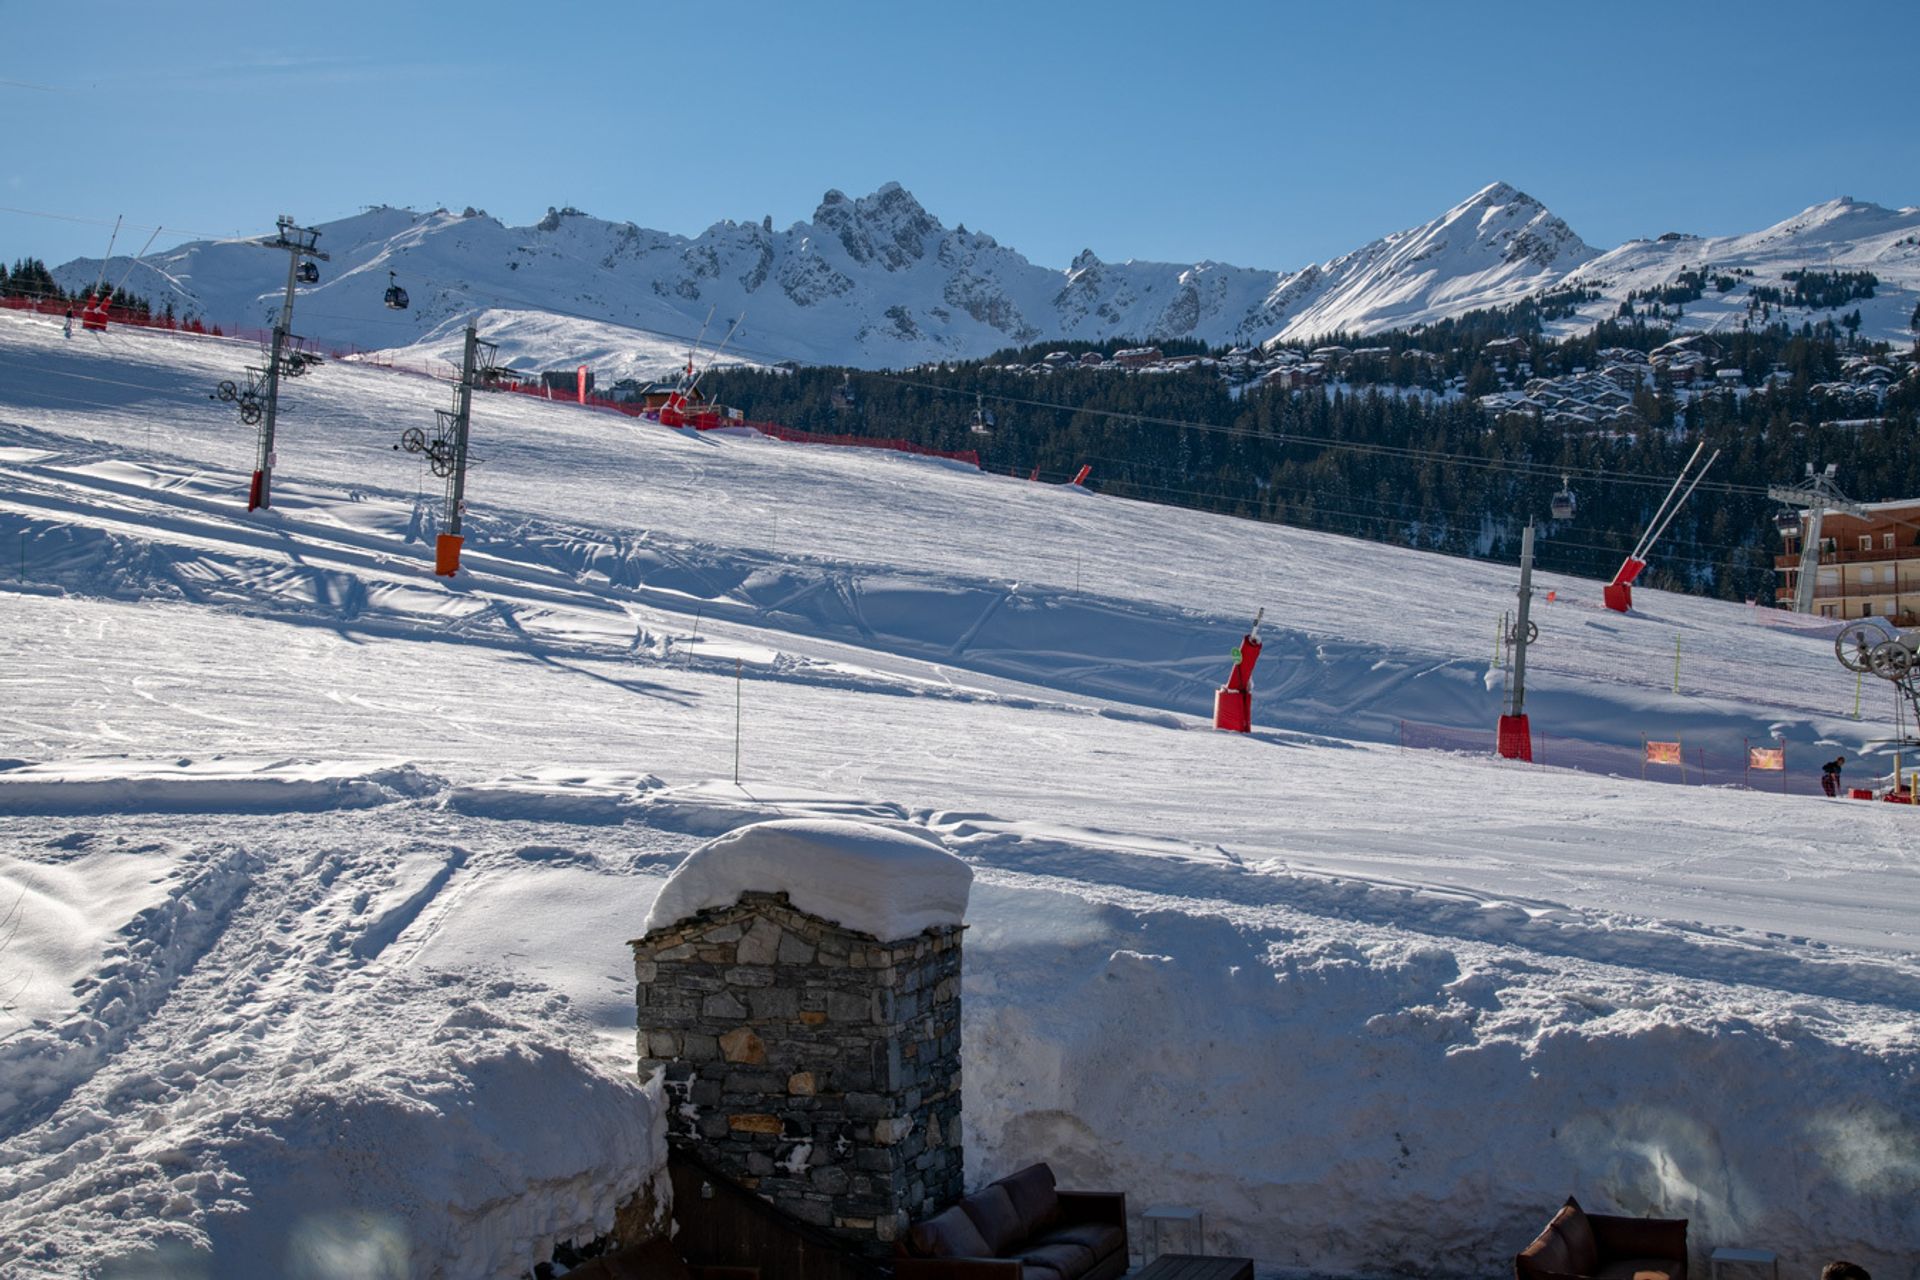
1809,556
1676,664
263,460
462,415
738,666
1517,688
1643,546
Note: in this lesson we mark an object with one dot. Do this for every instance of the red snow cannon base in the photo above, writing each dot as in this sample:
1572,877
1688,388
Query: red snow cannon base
1515,739
1233,710
446,554
1618,597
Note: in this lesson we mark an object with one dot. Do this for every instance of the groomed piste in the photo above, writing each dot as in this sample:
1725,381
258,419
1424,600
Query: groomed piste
318,870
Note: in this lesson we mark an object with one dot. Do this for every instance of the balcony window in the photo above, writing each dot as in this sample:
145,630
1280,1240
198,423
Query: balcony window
1866,542
1886,542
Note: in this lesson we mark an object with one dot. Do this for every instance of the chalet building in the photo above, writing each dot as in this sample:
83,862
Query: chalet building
1503,350
1868,567
650,395
1294,377
1137,357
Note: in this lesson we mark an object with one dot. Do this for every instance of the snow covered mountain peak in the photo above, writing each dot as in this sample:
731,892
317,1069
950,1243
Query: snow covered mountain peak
888,227
1492,249
877,280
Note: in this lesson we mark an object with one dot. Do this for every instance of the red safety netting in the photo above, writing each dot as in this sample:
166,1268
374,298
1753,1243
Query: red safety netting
715,420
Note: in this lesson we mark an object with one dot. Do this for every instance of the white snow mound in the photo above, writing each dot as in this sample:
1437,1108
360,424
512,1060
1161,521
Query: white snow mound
876,880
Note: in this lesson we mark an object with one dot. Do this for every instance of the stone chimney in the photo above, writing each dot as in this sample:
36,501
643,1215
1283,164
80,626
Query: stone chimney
811,1059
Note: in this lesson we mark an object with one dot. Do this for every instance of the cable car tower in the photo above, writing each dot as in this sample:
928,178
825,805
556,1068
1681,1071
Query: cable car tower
262,399
1818,495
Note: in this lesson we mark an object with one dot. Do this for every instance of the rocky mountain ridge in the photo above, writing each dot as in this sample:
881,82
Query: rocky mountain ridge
878,281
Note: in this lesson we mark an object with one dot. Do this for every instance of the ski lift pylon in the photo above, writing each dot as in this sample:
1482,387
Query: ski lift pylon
396,298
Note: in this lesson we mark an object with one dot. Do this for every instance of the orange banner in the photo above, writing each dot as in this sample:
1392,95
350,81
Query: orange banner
1663,753
1766,757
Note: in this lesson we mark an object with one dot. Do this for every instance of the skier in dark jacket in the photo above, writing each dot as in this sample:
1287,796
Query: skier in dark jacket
1830,776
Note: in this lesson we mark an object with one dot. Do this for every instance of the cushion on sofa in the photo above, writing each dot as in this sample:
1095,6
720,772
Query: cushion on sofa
1584,1254
1039,1271
993,1213
1067,1259
948,1234
1639,1269
1034,1198
1101,1238
1547,1255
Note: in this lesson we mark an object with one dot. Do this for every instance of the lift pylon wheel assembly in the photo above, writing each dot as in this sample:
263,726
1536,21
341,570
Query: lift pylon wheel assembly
446,452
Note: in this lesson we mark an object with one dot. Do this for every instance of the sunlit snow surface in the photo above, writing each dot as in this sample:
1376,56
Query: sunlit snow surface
325,867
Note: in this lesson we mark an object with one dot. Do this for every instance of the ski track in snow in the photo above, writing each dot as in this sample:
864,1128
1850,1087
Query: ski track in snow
401,829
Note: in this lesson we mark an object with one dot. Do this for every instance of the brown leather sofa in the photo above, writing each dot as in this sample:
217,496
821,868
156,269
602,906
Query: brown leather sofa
1604,1247
1020,1228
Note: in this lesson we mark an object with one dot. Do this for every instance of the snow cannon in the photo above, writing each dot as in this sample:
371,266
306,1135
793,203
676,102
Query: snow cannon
1515,739
446,554
1233,702
1618,594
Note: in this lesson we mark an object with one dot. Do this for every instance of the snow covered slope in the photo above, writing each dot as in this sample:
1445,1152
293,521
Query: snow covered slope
1843,235
357,849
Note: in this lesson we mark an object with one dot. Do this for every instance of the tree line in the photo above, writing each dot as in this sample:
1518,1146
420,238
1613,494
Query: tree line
1398,455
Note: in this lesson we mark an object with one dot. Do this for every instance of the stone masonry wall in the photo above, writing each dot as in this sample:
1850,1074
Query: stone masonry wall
816,1065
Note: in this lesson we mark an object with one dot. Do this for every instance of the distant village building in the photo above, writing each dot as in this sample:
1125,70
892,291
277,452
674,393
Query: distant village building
649,395
1505,350
1868,567
1137,357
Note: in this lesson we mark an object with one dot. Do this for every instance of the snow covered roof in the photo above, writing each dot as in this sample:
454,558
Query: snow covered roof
875,880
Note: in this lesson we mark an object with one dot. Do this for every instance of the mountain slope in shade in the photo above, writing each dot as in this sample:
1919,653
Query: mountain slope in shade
878,281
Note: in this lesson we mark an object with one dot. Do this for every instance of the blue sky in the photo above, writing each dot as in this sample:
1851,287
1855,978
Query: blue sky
1273,137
